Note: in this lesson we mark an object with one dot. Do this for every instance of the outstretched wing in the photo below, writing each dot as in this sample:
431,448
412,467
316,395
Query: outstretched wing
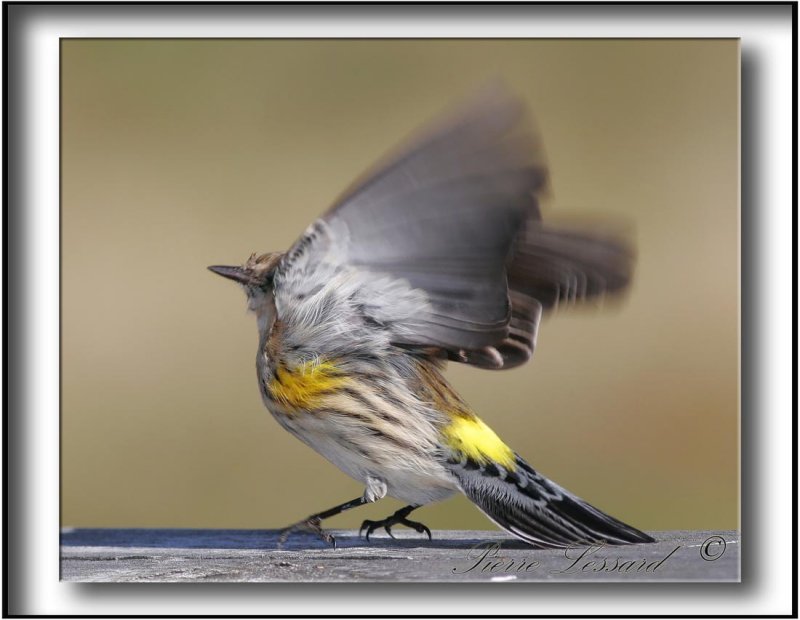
441,246
551,267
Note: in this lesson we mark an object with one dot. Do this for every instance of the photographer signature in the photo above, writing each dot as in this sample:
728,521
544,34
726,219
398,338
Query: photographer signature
486,558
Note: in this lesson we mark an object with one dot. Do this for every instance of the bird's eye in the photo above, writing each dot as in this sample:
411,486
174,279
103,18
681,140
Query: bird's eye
267,283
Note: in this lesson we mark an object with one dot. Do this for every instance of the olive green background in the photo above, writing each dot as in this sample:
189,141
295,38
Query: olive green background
181,154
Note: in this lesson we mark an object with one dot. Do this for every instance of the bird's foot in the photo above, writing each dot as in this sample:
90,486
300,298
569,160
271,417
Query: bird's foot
312,524
398,518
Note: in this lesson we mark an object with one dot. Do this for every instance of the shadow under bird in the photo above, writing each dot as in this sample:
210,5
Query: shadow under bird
437,254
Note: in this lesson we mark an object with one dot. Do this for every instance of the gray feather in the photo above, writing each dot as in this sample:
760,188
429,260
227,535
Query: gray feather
551,267
443,215
537,510
555,265
451,223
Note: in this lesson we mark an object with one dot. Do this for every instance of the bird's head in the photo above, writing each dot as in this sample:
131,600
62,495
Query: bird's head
255,276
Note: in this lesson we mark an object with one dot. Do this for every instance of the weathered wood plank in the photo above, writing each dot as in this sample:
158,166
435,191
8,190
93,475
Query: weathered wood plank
254,555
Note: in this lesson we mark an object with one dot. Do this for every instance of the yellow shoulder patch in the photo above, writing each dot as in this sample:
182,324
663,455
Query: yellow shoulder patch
471,437
303,387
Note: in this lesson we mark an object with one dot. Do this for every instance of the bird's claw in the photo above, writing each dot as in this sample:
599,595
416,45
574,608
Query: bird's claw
420,527
312,525
369,526
388,522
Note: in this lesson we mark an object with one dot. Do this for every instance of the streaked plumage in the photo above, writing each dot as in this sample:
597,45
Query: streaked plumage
438,254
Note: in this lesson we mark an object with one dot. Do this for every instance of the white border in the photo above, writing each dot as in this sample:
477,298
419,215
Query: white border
767,37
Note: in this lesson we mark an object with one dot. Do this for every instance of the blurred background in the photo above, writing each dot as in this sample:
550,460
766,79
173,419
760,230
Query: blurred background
178,154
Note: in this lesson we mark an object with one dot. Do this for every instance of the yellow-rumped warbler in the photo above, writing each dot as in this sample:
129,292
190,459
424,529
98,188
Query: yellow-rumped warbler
438,254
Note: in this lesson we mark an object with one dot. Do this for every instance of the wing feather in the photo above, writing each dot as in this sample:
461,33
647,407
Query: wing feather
450,228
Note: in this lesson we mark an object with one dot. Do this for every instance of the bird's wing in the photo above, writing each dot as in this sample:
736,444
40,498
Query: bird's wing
441,242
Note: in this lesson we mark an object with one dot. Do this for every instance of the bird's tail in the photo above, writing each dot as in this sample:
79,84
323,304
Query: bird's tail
537,510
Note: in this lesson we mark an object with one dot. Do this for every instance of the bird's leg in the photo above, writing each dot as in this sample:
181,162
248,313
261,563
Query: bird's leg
312,523
397,518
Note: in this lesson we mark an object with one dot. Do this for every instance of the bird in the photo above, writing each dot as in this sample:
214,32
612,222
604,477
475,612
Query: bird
437,254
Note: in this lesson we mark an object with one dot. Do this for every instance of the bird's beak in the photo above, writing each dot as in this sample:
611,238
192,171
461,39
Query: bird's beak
238,274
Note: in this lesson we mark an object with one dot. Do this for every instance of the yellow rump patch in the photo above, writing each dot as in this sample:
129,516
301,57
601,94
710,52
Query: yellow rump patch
303,386
471,437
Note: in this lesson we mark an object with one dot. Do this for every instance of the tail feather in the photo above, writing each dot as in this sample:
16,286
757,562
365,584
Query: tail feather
537,510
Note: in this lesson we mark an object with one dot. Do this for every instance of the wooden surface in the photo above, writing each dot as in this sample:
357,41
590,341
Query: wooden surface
254,555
